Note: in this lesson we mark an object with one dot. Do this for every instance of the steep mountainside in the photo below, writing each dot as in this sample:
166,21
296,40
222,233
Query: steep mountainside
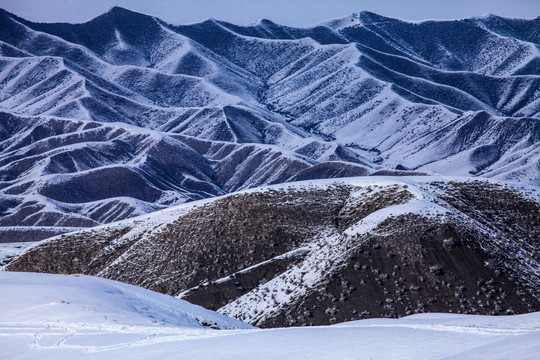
181,113
320,252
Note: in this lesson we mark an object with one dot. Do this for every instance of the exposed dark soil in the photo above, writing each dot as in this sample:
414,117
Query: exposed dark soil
475,260
421,267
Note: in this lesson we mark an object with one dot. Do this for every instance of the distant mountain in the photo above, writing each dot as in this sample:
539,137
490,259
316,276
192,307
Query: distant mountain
126,114
321,252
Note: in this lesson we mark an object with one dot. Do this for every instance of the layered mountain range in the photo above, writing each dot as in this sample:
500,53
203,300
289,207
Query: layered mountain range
126,114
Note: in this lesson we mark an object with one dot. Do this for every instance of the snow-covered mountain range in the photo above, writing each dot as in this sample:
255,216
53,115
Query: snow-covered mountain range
126,114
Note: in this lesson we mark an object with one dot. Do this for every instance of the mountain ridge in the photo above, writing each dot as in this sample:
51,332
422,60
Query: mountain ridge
324,251
262,104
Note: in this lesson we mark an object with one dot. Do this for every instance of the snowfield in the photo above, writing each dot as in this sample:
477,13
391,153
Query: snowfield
82,317
89,300
9,250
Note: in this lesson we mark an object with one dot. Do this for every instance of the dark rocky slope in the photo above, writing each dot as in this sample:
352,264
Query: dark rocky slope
325,252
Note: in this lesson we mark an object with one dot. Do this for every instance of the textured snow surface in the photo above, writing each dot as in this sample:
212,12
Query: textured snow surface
67,317
10,250
90,300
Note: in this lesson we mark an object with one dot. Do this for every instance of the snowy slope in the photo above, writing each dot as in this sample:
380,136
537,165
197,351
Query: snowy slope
193,111
9,250
84,300
84,317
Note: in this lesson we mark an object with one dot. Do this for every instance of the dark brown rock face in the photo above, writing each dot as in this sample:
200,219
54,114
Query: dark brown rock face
326,252
411,270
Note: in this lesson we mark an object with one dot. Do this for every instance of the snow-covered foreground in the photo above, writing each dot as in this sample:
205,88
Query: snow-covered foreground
71,317
10,250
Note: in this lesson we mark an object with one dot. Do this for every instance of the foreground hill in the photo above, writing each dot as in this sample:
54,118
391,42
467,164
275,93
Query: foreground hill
88,318
187,112
325,251
93,301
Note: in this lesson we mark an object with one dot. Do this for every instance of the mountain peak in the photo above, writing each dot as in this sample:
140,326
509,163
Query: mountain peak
340,23
356,19
118,12
261,22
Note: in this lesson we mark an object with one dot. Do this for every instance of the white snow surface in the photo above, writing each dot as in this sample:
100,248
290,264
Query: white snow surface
82,299
70,317
10,250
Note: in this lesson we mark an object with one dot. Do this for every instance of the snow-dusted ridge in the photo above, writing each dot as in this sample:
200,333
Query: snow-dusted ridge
277,255
104,122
